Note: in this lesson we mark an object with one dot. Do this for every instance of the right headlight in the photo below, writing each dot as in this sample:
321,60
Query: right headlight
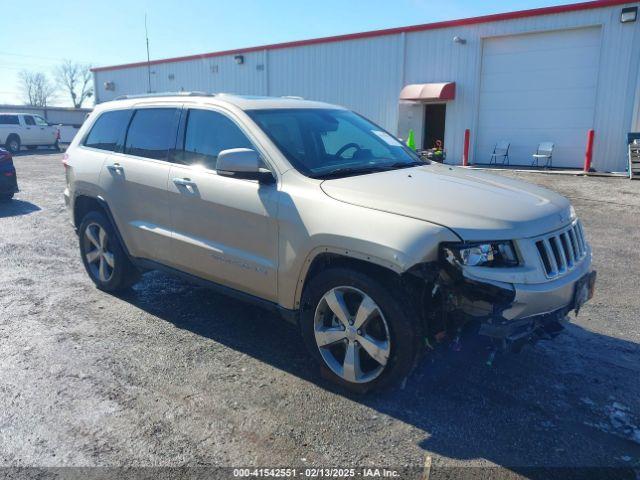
483,254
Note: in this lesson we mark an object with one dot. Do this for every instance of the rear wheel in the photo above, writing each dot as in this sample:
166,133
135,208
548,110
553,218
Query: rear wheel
360,330
103,256
13,143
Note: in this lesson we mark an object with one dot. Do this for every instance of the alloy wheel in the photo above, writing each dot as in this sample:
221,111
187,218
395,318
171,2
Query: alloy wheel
352,334
100,259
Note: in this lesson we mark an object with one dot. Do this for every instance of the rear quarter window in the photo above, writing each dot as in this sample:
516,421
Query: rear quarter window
107,133
9,120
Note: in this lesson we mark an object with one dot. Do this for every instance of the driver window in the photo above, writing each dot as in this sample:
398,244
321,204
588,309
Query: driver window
346,134
207,134
28,119
40,121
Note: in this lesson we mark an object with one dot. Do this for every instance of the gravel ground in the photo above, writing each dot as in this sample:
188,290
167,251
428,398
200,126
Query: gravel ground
175,375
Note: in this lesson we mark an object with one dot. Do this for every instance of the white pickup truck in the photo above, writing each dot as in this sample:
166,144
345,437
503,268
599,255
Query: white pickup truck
26,129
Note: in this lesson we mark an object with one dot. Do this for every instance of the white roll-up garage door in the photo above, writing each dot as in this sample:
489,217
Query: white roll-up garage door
537,88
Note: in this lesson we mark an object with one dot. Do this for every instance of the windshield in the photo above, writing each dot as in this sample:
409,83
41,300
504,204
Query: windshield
324,143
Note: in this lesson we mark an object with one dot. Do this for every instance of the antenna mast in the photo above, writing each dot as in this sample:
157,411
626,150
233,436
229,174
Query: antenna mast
146,34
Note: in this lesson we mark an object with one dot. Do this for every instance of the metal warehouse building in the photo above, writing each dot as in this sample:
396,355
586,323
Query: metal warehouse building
544,75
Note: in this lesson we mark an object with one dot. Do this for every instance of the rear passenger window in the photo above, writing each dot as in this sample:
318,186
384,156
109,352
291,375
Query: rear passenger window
207,134
152,132
28,119
108,131
9,120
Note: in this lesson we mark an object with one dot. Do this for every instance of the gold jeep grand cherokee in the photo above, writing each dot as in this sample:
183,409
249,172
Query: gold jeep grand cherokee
311,210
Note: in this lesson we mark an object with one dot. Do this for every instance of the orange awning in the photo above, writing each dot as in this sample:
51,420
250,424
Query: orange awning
429,92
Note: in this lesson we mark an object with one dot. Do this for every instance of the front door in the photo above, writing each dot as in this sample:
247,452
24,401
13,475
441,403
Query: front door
225,229
135,183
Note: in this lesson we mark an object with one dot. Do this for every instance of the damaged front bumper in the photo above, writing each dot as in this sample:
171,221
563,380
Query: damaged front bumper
511,314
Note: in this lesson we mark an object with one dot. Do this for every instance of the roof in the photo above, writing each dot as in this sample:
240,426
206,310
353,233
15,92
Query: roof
389,31
243,102
22,108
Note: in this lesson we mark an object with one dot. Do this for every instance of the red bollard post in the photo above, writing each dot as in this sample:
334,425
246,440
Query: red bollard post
588,154
465,154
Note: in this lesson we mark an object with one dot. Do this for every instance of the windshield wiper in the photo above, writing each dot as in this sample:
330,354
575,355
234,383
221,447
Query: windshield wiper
346,171
396,165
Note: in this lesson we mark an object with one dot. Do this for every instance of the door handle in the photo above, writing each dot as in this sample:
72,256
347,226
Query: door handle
185,182
116,168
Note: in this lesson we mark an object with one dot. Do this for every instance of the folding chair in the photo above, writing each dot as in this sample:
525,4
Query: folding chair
544,151
500,150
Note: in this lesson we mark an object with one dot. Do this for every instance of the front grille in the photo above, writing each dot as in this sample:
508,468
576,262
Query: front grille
561,251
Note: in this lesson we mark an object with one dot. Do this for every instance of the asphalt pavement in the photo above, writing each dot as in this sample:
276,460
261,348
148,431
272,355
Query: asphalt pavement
173,374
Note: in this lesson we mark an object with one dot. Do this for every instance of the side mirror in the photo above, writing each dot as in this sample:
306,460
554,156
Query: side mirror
243,163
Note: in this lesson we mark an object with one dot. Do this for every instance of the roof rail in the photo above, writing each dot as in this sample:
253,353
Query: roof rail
292,97
165,94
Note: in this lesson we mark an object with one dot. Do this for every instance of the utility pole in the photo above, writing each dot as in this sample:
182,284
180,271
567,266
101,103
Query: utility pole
146,34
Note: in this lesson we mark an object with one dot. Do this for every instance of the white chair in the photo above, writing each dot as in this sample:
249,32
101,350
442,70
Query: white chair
544,151
500,150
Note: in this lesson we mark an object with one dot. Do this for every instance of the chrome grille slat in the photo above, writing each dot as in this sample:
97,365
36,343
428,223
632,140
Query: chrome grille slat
562,251
551,256
568,249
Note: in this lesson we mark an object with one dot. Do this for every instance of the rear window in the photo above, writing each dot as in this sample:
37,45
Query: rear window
9,120
108,131
152,133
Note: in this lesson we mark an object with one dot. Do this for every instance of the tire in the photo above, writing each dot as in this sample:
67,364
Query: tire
392,325
13,143
6,197
111,271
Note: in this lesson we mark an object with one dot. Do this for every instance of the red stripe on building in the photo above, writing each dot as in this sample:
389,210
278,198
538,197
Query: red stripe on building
389,31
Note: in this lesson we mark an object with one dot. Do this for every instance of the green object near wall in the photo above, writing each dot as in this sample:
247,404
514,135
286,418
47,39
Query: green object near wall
411,139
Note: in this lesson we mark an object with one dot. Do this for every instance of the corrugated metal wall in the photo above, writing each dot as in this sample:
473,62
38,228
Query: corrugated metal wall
367,75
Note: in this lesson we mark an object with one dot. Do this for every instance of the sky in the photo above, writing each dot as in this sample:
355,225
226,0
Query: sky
41,34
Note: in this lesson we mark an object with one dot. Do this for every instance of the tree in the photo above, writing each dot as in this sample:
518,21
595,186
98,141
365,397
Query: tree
36,88
75,79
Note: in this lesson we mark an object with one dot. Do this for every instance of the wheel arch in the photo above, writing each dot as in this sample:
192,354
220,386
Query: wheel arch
327,257
83,204
12,135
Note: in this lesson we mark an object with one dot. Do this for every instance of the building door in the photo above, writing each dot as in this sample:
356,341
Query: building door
538,87
434,118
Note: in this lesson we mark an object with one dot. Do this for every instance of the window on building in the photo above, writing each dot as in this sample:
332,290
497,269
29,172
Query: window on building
28,119
9,120
152,133
108,131
207,134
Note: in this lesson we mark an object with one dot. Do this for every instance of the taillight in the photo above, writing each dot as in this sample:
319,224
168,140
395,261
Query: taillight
65,157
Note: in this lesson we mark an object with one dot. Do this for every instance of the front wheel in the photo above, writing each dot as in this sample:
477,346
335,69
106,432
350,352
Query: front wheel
104,258
361,330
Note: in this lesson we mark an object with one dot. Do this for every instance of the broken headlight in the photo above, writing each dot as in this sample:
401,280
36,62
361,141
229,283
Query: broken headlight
483,254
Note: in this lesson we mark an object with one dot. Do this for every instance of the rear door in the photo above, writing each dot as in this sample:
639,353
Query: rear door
225,229
28,134
135,181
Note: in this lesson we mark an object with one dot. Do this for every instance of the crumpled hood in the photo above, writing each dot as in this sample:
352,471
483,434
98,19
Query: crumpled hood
475,205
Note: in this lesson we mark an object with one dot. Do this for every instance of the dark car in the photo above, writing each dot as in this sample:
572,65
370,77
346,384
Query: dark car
8,179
